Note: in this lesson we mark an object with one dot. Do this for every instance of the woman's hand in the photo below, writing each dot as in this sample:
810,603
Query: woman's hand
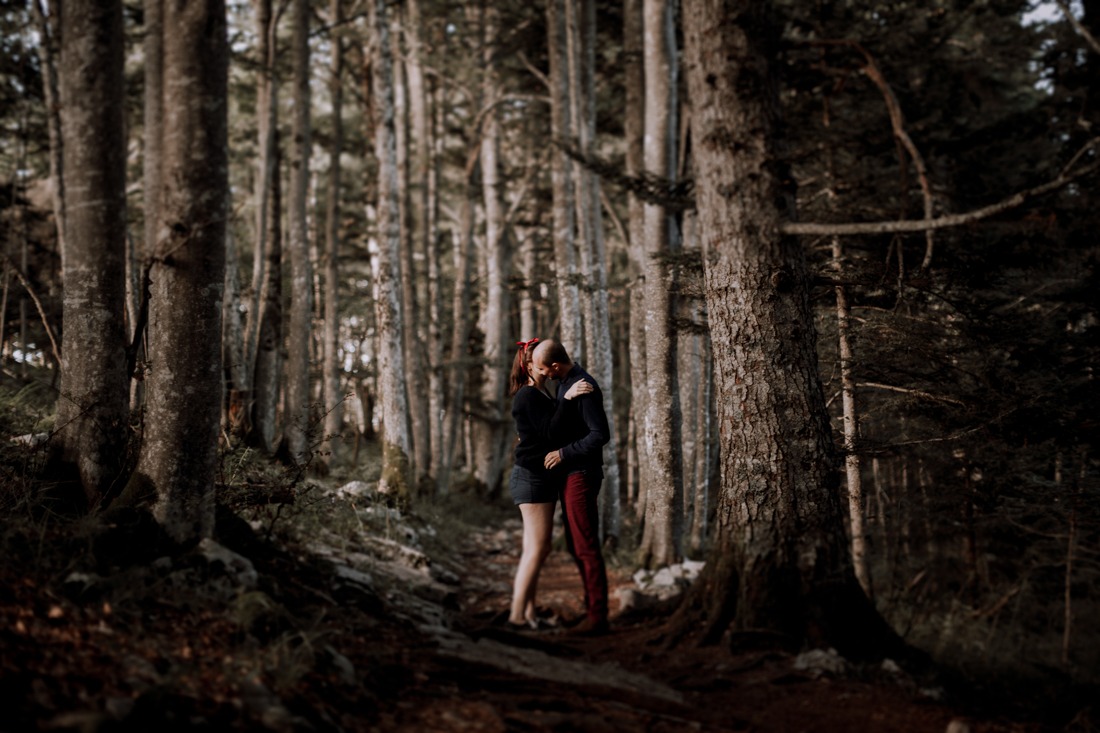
552,459
579,387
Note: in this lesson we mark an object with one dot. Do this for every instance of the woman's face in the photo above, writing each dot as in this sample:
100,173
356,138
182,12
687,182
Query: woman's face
533,375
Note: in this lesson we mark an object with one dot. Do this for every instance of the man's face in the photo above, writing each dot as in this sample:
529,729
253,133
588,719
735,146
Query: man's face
551,371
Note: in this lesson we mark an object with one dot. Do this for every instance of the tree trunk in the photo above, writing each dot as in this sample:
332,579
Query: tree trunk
265,184
396,476
489,435
235,412
297,419
634,132
437,402
267,369
851,428
179,452
565,270
424,373
661,541
779,560
453,420
333,393
93,407
593,252
48,50
152,154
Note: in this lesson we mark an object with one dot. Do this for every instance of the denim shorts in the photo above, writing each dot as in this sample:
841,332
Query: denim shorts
534,487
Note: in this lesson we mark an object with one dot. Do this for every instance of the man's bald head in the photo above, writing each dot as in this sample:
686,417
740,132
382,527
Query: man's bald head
551,359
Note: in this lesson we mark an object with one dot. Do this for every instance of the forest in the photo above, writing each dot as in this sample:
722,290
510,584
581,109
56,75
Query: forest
267,265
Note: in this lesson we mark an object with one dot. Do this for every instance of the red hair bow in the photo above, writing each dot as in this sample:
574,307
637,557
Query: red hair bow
524,345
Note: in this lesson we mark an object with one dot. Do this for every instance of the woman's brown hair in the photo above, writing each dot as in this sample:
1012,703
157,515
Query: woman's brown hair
521,366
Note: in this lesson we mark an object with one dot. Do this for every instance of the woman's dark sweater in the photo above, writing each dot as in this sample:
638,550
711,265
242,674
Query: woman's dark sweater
537,417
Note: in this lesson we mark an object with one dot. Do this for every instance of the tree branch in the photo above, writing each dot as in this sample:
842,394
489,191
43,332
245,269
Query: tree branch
916,392
897,123
1079,27
950,220
37,304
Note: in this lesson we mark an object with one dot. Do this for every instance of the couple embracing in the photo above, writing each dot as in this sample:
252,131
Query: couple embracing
559,456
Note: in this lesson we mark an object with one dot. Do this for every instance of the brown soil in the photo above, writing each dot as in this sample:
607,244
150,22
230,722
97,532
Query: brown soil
713,689
149,646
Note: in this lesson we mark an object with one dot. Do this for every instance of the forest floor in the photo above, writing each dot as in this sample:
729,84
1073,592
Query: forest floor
346,626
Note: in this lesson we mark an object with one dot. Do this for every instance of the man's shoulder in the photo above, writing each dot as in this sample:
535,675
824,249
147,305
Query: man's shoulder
578,373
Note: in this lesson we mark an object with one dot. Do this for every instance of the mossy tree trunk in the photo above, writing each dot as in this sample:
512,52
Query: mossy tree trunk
395,479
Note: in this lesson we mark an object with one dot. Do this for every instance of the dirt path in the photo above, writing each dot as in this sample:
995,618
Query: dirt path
482,677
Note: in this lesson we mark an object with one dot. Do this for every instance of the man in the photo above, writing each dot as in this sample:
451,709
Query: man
585,431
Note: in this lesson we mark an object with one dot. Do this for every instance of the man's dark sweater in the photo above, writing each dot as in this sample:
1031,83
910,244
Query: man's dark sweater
582,425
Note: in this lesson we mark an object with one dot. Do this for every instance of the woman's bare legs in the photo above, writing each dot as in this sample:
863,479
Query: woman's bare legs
538,526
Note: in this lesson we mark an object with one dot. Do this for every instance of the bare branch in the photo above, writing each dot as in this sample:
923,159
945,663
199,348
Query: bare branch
1079,27
914,392
950,220
897,123
37,304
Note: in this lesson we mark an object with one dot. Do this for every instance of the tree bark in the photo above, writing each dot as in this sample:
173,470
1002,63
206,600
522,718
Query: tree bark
661,541
235,412
396,475
489,440
93,407
410,303
179,452
851,429
297,418
425,375
333,393
267,363
565,261
634,132
593,253
48,50
264,195
779,560
463,248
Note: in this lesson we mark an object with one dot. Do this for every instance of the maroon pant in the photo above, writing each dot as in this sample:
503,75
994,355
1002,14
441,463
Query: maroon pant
581,515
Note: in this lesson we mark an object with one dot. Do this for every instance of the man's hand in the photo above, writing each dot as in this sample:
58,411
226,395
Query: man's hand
552,459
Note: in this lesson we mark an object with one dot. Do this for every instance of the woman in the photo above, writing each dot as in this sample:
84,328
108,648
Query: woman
534,489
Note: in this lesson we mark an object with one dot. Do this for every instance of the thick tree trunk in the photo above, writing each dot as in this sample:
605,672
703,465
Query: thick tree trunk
661,541
93,406
297,419
333,392
779,560
396,476
179,453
